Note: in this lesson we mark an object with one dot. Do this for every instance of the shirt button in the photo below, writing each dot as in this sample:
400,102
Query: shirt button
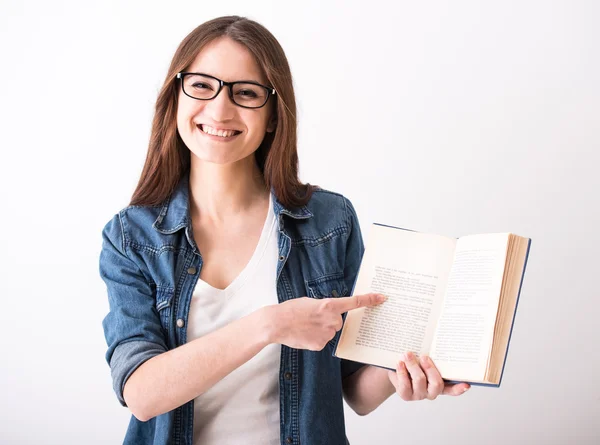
288,376
335,293
180,322
288,440
191,270
281,258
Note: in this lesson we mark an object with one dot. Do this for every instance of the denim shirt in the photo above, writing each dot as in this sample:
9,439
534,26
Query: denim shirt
151,263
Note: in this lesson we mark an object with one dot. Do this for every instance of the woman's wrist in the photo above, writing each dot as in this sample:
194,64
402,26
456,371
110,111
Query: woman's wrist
266,317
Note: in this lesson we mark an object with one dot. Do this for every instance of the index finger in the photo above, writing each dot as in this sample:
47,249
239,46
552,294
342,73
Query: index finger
345,304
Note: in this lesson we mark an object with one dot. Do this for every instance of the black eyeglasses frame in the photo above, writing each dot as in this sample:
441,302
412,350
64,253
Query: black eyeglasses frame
270,91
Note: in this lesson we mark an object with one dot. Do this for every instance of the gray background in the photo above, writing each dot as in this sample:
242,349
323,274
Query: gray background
444,117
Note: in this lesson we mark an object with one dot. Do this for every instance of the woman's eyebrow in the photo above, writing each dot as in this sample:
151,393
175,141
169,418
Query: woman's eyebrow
240,80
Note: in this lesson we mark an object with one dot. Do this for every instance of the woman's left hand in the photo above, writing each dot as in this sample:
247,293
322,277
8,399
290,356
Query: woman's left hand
418,379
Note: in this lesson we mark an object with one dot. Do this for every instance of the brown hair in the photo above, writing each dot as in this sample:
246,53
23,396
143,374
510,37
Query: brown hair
168,159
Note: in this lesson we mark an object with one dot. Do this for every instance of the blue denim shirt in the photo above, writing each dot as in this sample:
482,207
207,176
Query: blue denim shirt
150,264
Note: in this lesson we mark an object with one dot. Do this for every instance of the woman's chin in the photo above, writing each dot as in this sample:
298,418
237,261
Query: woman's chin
214,156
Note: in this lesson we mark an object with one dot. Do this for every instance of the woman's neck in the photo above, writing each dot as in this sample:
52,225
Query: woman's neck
222,193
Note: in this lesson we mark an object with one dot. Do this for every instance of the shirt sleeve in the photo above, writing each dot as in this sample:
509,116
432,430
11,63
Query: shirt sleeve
132,326
354,251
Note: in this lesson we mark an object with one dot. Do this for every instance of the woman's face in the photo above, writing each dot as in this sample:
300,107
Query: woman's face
230,61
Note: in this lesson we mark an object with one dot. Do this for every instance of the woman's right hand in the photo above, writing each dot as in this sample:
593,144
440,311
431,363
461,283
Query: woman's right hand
309,323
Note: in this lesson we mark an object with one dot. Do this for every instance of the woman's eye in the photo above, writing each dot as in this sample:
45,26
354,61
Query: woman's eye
200,85
247,93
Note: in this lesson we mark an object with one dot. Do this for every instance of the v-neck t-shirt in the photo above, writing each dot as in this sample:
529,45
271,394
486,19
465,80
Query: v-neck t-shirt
243,407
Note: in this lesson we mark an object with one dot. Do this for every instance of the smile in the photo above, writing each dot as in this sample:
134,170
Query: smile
219,133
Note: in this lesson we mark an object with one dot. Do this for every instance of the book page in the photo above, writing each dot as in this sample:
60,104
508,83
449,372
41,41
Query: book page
462,342
516,258
411,269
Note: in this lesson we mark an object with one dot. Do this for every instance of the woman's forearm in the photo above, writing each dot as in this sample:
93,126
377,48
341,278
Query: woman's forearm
367,388
177,376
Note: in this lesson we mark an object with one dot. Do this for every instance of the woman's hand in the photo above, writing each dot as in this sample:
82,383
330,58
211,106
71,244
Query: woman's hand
418,379
309,323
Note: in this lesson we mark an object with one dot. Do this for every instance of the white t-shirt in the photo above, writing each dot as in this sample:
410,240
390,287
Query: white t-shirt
244,406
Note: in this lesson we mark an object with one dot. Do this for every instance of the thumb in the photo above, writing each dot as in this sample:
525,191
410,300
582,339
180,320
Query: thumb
455,389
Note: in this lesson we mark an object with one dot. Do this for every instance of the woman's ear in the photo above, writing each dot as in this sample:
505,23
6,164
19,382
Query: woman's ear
272,124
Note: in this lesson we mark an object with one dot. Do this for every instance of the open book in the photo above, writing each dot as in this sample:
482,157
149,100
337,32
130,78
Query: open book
452,299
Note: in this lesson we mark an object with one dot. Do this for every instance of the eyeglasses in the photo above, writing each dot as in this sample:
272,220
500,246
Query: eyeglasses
246,94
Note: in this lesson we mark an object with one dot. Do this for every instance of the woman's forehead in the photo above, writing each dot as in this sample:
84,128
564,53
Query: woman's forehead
228,60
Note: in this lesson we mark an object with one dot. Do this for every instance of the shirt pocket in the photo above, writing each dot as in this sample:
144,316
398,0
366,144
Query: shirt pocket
327,286
164,300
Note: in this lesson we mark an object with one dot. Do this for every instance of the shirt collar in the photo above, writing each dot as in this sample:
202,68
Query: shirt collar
175,214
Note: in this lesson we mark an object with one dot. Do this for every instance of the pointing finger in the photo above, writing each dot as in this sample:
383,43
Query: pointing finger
345,304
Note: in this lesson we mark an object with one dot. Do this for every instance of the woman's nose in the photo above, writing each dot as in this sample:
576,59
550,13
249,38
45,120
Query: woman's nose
221,108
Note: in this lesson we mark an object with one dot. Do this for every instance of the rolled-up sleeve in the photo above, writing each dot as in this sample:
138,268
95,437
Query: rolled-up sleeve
355,249
132,326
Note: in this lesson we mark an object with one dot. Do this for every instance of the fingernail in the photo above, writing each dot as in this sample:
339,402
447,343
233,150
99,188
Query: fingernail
409,355
425,359
381,297
466,389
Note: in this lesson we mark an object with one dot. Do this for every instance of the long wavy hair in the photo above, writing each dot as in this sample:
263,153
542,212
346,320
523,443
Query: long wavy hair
168,158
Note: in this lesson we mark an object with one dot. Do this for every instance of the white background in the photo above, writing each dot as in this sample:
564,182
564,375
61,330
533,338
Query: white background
444,117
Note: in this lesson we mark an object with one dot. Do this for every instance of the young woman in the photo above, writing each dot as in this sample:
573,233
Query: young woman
227,277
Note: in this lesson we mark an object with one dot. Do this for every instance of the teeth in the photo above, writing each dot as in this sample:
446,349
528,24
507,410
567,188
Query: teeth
222,133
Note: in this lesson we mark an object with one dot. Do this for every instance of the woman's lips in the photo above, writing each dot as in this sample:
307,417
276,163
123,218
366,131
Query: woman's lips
216,137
